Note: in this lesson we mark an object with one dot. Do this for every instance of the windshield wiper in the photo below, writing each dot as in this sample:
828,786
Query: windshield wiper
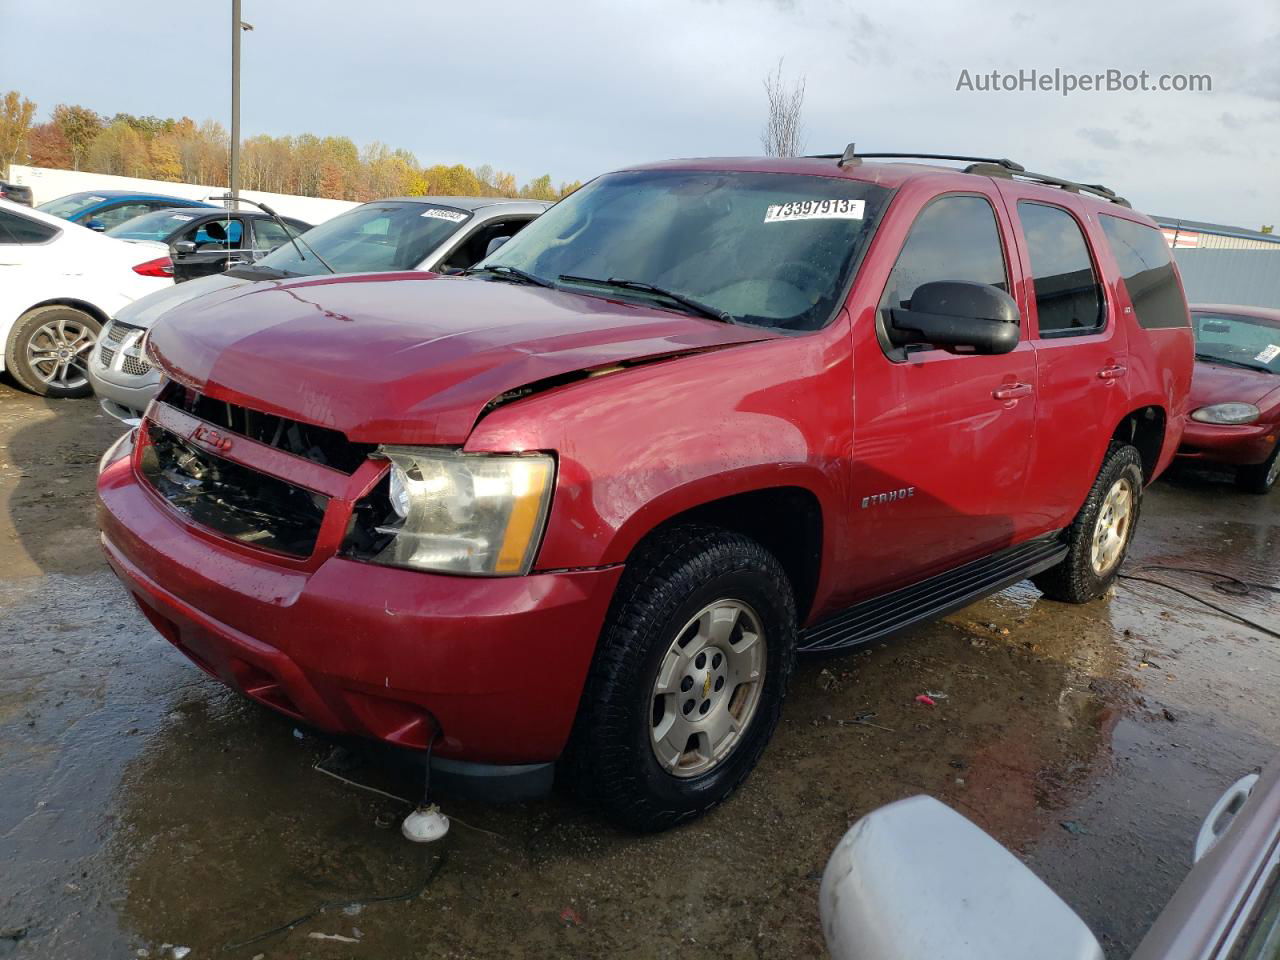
1214,358
691,305
293,236
511,273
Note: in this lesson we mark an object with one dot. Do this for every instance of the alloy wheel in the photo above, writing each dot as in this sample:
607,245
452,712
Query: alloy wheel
708,688
58,352
1111,530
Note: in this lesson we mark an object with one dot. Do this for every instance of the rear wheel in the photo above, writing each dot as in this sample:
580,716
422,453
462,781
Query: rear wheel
48,351
1099,537
688,680
1260,477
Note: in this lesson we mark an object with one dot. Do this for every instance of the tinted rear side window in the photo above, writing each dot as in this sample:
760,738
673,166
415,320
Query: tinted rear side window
1068,298
1147,268
18,229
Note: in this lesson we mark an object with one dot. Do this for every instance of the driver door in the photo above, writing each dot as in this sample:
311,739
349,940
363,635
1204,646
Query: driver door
942,438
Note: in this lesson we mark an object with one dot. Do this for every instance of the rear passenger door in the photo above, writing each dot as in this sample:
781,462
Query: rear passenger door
1080,349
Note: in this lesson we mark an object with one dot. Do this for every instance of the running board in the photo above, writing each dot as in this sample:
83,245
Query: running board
881,616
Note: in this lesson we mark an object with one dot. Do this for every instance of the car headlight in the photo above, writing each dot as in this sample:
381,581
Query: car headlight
1227,413
462,513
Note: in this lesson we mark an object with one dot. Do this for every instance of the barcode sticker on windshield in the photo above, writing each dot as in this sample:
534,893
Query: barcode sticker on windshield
841,209
1269,354
453,216
181,216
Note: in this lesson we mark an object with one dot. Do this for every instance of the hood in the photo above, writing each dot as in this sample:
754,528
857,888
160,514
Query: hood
1218,383
145,311
407,357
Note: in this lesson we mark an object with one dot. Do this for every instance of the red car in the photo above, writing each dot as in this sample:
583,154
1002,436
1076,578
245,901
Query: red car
1235,393
586,502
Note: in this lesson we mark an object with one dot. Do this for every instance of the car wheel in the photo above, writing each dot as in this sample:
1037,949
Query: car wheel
688,678
1260,477
48,351
1099,537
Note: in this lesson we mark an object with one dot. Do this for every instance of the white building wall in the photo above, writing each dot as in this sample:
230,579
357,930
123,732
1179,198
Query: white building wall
47,184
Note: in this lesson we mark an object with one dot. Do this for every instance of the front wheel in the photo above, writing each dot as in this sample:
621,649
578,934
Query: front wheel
688,680
1099,537
48,351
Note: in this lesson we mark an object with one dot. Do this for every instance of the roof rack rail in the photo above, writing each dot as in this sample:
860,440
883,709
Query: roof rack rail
851,155
998,170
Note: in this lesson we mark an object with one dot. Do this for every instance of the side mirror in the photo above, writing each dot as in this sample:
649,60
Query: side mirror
95,224
917,881
184,247
957,314
494,244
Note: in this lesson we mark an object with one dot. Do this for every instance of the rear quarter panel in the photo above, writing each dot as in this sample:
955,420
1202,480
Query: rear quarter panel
638,447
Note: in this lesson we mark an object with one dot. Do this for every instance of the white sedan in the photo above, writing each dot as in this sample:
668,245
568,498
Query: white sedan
58,285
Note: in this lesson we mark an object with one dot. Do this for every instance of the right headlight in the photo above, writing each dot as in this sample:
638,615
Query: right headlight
451,512
1227,413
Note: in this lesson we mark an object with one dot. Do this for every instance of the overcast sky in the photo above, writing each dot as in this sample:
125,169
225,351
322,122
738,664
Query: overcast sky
577,87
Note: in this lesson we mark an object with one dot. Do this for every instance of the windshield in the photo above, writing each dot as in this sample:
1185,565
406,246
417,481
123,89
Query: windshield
1238,341
771,249
68,206
373,237
157,225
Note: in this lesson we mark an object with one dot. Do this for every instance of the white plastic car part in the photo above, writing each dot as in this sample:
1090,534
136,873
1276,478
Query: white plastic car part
1217,822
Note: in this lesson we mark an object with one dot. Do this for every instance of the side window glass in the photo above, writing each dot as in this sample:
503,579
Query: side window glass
18,229
953,238
268,235
1147,268
1068,297
118,215
219,235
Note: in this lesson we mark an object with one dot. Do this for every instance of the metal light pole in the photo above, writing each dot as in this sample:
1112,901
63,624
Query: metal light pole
237,27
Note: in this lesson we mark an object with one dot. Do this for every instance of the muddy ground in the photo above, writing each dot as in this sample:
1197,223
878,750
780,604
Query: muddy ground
141,804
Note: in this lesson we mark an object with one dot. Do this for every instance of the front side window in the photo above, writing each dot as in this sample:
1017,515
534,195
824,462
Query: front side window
1147,268
954,238
268,235
219,235
1237,341
385,235
19,229
1068,297
115,216
772,249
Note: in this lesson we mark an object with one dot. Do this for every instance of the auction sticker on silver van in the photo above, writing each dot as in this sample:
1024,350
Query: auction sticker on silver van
839,209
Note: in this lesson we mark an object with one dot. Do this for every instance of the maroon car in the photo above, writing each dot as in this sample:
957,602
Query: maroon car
1235,393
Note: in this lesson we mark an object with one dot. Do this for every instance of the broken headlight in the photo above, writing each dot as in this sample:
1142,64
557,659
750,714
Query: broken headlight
451,512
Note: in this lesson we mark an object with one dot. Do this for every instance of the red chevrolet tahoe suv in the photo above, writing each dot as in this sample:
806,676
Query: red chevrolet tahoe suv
585,503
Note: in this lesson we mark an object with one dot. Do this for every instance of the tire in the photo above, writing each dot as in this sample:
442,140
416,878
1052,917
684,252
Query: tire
1078,579
65,336
1260,477
687,583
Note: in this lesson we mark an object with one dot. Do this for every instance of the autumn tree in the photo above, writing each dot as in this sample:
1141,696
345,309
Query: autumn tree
79,126
16,114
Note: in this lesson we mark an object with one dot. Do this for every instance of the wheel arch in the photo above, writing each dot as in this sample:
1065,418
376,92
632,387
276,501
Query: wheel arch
787,520
1145,428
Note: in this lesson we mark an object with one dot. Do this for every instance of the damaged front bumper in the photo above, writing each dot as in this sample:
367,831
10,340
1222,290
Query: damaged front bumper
495,665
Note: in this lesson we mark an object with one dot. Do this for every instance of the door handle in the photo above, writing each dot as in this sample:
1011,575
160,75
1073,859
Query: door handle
1114,372
1012,391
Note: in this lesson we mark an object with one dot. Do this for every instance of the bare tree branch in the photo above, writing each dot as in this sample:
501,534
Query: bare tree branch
783,134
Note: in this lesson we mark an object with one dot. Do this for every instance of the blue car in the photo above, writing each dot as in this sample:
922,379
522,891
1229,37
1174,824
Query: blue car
104,209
